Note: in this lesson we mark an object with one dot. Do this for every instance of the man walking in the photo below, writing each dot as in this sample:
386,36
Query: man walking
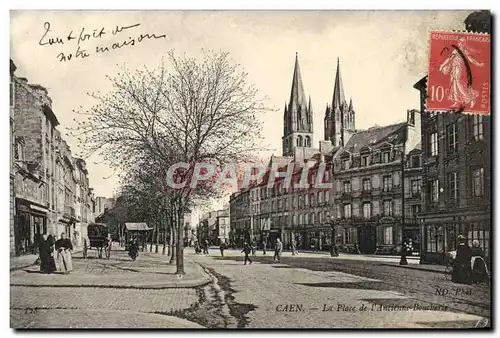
278,247
222,247
205,247
294,247
264,245
247,249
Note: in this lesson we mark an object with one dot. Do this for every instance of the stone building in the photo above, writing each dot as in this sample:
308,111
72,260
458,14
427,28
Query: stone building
43,170
368,173
456,177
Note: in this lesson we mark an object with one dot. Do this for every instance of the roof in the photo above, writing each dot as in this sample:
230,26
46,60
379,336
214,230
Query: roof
375,136
137,227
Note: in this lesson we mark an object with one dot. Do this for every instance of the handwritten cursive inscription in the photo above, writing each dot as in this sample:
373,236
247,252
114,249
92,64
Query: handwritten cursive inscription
84,36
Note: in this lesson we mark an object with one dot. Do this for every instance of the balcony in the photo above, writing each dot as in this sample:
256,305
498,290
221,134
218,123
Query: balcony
70,211
366,193
346,196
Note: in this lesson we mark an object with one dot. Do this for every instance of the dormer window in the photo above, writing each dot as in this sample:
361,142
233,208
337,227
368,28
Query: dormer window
415,161
386,157
365,160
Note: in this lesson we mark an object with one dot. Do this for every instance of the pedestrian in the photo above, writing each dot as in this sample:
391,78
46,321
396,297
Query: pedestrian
264,245
278,248
64,248
51,263
247,249
462,263
254,247
205,247
294,247
222,247
43,253
479,269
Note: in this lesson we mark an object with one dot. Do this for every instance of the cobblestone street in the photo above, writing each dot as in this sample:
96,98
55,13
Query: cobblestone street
309,290
100,293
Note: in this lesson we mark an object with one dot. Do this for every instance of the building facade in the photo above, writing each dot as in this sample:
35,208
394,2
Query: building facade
44,171
370,173
456,176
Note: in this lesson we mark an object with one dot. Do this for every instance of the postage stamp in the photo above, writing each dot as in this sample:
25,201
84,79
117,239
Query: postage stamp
459,72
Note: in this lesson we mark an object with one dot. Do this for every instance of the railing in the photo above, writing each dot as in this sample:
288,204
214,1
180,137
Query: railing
69,210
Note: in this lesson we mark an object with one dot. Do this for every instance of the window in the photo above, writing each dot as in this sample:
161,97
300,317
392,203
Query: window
347,186
452,137
415,161
347,210
327,196
311,199
434,191
365,160
434,144
388,235
415,210
387,183
431,237
367,210
432,114
478,182
367,184
386,156
387,208
346,164
476,232
453,185
416,185
477,127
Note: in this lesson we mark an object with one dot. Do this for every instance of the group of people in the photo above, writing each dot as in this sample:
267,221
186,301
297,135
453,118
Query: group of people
55,255
198,248
251,248
469,265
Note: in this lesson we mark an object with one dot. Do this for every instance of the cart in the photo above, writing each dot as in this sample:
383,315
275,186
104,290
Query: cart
97,239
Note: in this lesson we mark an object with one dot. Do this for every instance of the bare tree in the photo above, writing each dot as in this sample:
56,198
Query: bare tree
191,111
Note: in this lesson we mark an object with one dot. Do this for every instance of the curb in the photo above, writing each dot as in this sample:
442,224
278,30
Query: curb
412,268
159,286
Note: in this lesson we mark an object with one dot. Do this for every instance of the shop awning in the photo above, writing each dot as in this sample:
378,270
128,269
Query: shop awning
137,227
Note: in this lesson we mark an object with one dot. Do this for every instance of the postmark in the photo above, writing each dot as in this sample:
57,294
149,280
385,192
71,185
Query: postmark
459,72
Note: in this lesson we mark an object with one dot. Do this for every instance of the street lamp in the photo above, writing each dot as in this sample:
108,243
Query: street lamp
331,221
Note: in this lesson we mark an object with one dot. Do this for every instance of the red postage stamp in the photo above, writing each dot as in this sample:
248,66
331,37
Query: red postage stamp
459,72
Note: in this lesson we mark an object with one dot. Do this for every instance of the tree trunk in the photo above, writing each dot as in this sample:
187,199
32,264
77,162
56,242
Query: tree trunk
173,241
164,236
157,234
152,237
180,245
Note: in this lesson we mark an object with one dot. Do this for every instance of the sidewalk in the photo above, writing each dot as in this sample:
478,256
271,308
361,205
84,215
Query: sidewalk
149,271
421,267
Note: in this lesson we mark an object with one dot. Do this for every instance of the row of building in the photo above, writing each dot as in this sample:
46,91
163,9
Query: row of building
49,188
426,179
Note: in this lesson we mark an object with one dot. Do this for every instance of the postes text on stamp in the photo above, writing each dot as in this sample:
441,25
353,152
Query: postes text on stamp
459,72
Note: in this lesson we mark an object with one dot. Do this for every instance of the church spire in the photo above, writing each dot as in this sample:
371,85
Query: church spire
338,90
350,104
297,96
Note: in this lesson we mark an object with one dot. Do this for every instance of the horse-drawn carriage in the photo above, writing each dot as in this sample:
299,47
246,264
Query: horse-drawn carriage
99,239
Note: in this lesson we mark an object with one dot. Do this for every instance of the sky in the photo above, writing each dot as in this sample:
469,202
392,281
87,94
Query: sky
382,54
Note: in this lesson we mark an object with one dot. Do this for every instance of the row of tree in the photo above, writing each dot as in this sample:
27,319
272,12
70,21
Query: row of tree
185,110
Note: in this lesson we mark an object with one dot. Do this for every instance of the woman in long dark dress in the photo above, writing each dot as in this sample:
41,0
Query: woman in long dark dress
479,268
43,252
461,267
49,246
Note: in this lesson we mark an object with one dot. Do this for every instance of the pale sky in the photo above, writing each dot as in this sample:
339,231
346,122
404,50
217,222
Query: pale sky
382,54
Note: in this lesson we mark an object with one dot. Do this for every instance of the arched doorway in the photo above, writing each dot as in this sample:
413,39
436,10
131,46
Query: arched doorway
367,234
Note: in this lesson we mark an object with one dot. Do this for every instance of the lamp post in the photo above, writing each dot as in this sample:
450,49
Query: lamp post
333,252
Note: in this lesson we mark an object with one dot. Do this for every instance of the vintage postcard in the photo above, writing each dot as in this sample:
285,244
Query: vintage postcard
250,169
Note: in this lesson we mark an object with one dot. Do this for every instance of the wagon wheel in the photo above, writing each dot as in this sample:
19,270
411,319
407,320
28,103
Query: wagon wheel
85,249
108,251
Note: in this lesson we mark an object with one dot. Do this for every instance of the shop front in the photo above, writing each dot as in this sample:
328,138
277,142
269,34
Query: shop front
30,226
440,235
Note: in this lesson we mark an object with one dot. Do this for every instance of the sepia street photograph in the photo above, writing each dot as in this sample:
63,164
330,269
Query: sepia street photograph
250,169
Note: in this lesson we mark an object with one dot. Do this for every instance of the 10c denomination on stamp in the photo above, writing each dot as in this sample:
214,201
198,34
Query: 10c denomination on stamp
459,72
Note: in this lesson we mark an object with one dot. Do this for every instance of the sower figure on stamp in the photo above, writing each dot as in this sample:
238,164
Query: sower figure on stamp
454,66
247,250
